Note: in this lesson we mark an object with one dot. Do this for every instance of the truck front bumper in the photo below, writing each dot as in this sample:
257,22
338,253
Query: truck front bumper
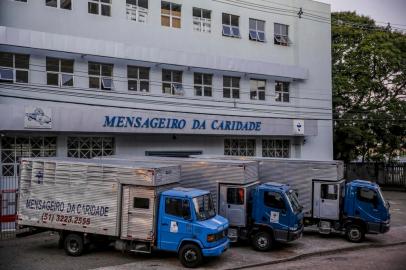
381,227
216,251
288,235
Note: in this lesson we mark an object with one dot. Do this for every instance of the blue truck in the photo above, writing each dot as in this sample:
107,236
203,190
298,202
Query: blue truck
355,208
261,213
138,207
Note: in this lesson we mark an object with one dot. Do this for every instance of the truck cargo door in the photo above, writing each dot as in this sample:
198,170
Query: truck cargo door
326,200
233,204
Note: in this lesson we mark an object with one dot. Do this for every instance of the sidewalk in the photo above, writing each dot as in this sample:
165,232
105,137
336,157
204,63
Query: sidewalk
243,256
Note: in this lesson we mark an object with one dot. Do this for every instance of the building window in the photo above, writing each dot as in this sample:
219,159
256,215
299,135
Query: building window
282,92
14,67
90,147
137,10
257,89
231,25
63,4
14,148
170,14
138,78
276,148
239,147
203,84
102,7
172,82
201,20
100,76
231,87
257,30
281,34
59,72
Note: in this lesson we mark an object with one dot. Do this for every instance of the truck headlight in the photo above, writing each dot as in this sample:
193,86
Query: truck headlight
294,228
211,238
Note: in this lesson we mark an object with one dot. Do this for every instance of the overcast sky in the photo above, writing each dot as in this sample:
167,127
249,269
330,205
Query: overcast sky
393,11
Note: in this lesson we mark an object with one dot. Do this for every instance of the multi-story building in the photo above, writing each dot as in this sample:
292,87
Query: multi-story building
148,77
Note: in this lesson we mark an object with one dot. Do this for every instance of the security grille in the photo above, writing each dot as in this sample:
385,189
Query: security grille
239,147
13,148
90,147
276,148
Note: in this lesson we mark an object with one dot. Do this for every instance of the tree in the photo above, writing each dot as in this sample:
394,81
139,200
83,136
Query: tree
369,81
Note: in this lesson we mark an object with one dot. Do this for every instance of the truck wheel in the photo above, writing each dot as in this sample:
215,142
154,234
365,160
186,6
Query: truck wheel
355,233
262,241
73,244
190,256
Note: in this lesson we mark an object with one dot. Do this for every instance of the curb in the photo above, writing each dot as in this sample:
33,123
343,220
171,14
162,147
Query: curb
318,253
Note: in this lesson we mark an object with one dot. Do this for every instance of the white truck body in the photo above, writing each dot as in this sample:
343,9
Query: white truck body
92,196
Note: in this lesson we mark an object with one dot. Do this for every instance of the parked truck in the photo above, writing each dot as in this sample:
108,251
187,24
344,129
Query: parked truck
262,214
139,207
353,208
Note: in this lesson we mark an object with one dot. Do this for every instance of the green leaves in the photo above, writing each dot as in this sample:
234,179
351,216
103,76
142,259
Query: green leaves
369,81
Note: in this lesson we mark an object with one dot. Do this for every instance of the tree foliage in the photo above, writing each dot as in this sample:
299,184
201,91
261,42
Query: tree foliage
369,81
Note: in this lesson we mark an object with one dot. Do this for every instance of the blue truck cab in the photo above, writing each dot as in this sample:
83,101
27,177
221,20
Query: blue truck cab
353,208
365,210
187,223
262,213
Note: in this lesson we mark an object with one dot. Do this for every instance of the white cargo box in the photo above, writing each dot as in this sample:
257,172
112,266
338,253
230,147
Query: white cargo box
204,174
299,174
85,195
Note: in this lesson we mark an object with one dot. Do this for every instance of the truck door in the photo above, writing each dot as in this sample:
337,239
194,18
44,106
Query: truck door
326,200
174,223
368,206
276,211
233,204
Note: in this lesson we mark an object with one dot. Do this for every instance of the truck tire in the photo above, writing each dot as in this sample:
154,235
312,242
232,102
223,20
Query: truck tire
73,244
355,233
190,256
262,241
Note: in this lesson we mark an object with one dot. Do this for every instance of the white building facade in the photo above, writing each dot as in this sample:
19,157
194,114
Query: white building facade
148,77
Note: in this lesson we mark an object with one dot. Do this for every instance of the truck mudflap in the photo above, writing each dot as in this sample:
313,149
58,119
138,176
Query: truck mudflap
216,251
378,227
288,235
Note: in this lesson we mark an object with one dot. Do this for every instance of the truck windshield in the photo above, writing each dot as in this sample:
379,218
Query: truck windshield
204,207
294,201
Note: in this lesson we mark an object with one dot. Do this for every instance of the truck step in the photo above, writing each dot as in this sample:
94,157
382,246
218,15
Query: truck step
141,248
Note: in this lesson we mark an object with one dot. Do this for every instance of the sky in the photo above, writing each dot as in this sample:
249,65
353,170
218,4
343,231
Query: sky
393,11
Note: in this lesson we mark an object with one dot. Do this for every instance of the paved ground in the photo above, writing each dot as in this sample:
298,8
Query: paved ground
41,252
394,258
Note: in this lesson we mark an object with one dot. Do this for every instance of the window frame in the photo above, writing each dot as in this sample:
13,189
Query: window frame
146,203
16,69
59,4
256,31
270,148
100,4
203,86
137,12
170,15
201,24
230,25
282,92
244,147
281,38
101,77
60,73
138,80
173,84
235,197
257,90
275,206
232,90
90,146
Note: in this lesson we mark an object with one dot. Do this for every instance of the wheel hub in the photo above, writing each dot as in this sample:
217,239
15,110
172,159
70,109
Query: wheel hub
190,256
262,242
